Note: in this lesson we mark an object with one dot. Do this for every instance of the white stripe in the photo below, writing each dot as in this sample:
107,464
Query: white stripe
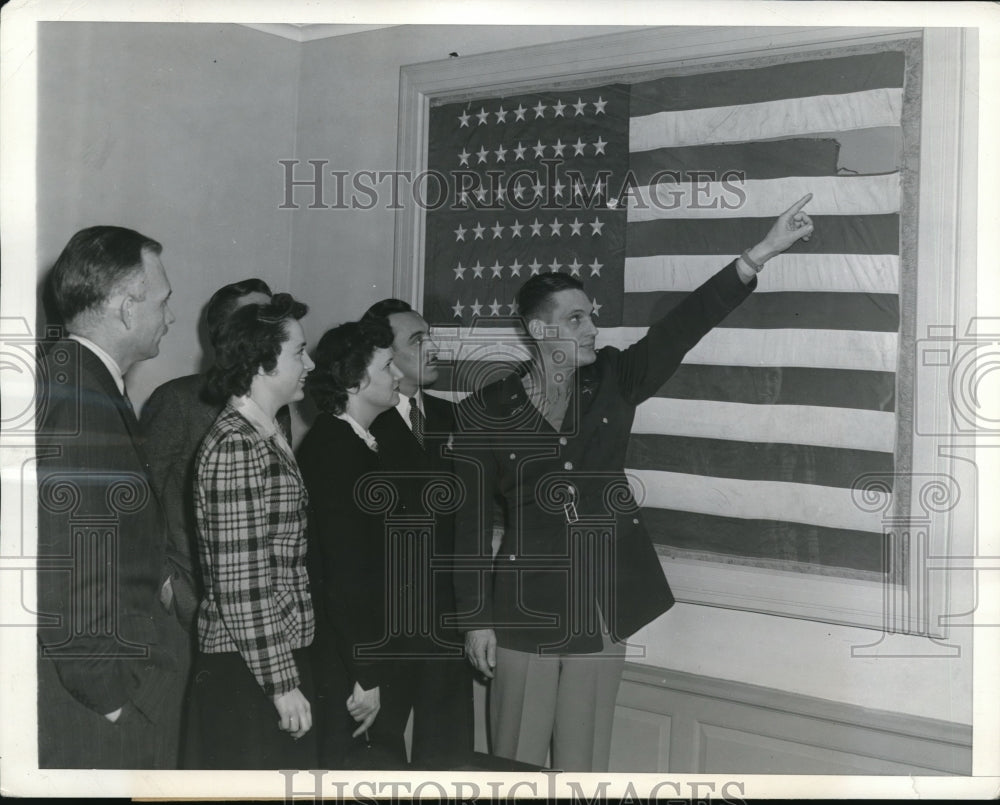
767,500
850,273
825,349
851,428
765,198
761,121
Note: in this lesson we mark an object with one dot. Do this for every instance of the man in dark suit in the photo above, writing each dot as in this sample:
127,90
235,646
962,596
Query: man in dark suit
174,420
112,654
413,439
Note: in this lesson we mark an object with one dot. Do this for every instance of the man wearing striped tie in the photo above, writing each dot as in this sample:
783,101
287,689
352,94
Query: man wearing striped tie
112,654
412,441
576,573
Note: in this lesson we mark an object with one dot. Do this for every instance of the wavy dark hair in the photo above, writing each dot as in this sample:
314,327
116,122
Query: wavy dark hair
250,339
342,358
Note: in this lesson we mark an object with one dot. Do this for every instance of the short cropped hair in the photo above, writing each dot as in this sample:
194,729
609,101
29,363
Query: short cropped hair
383,309
342,358
95,263
250,339
225,300
534,298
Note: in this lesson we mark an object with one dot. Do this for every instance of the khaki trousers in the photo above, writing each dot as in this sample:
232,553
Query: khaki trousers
563,700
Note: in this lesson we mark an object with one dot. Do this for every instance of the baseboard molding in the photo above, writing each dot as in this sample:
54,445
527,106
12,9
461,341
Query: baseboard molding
672,721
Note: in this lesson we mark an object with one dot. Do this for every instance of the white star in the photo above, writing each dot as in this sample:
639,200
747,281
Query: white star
597,226
481,153
599,188
482,115
595,268
539,149
518,191
559,148
480,195
516,228
497,269
599,146
476,307
458,307
534,266
575,226
519,112
536,228
501,115
460,272
501,193
578,147
574,268
577,188
519,151
557,188
597,307
477,270
539,188
539,110
463,119
556,227
463,197
460,233
599,105
501,153
515,270
513,308
559,108
580,105
495,307
463,157
554,265
479,229
497,230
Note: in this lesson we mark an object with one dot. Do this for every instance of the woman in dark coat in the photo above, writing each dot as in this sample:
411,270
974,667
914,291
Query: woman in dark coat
354,382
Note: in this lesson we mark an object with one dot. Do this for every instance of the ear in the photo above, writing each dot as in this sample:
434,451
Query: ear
536,329
124,307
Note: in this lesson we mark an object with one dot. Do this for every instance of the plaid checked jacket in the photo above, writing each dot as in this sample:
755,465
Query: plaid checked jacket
251,508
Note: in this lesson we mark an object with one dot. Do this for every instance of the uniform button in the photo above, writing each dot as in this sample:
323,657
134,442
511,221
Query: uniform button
512,557
568,465
604,419
562,441
635,520
513,456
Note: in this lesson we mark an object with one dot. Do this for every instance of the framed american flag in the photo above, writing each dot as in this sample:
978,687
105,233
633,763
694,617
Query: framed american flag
782,469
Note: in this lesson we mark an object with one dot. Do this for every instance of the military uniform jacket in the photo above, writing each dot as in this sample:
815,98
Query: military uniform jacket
574,549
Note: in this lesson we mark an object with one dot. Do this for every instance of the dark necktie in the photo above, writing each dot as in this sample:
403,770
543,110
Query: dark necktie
417,421
128,402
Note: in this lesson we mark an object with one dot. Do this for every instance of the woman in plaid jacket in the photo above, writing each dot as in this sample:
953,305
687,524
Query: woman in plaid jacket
251,687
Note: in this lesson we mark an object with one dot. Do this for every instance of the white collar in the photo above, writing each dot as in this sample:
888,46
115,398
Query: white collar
110,363
254,414
363,433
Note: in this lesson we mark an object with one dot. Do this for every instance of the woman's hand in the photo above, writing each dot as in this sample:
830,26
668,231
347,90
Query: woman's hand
294,711
363,705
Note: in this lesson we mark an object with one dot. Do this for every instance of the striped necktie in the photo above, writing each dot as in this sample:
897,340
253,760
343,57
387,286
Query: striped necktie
417,421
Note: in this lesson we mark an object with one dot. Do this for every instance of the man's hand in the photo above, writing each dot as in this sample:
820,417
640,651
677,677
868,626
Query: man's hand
791,225
363,705
295,712
481,649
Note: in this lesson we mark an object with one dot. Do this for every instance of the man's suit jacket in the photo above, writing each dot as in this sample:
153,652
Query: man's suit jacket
574,539
106,641
401,453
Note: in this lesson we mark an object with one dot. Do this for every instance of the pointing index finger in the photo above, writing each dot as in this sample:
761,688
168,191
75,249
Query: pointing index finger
798,205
